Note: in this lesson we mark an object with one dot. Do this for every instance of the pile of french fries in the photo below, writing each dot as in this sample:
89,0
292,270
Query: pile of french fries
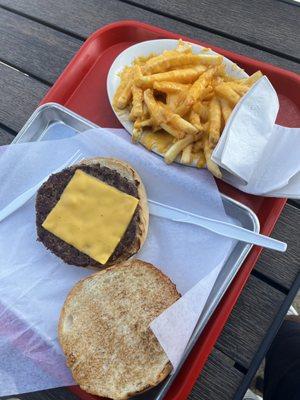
188,96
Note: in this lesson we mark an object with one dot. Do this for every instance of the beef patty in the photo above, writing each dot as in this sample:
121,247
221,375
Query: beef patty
49,194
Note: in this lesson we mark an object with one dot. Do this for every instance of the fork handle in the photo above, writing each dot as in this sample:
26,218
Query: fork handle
18,202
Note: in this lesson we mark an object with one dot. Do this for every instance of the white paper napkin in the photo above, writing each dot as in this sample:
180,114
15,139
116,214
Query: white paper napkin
34,283
256,155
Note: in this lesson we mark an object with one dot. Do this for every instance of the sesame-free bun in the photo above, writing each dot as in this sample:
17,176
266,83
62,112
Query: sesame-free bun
104,329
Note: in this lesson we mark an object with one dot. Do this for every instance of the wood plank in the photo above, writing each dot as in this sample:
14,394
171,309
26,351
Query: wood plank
82,17
219,379
5,136
249,321
283,267
20,95
53,394
295,202
34,48
267,24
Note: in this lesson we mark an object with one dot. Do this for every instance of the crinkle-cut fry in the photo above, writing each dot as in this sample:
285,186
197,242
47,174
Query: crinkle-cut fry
183,47
164,117
136,135
217,80
177,147
207,93
137,72
194,119
200,160
155,110
146,114
206,127
137,102
211,166
240,89
198,145
170,87
176,60
215,121
181,124
172,131
143,59
186,156
143,123
177,122
179,60
226,92
253,78
137,131
171,101
226,109
123,92
210,60
185,75
125,72
199,134
187,100
201,108
123,96
229,78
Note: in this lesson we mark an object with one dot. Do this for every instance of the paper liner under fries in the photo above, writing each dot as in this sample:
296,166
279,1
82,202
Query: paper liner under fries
256,155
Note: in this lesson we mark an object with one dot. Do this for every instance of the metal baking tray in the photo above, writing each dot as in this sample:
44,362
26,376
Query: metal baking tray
51,121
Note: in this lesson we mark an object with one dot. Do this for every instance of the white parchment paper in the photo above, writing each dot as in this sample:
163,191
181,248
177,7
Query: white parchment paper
257,155
34,283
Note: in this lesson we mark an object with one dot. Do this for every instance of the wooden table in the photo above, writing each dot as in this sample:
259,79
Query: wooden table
37,40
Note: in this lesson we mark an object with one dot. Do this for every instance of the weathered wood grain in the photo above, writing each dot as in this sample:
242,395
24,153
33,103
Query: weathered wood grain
219,379
20,95
5,136
28,45
249,321
283,267
82,17
34,48
268,24
54,394
295,202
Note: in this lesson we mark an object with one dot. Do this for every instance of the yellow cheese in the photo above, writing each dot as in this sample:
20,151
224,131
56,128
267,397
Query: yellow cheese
91,216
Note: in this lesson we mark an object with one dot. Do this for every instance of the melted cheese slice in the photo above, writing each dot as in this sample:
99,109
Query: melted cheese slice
91,216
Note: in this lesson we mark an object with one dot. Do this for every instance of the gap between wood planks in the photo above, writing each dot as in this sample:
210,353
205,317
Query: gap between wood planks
158,14
212,30
42,22
25,72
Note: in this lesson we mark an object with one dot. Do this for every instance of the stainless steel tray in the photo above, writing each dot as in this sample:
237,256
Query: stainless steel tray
52,120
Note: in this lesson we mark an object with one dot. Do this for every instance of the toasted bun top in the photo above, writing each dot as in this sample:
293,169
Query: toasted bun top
104,329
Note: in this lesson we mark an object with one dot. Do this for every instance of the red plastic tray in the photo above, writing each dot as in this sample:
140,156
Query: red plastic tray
82,88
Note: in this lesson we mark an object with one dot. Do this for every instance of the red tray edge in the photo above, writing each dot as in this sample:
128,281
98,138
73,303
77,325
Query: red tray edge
218,320
115,25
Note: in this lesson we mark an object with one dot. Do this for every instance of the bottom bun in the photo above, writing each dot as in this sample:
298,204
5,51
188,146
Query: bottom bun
104,329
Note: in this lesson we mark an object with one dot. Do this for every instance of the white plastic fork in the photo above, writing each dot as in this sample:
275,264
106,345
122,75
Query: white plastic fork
24,197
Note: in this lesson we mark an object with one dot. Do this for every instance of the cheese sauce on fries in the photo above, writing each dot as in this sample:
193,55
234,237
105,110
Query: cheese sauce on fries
179,103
